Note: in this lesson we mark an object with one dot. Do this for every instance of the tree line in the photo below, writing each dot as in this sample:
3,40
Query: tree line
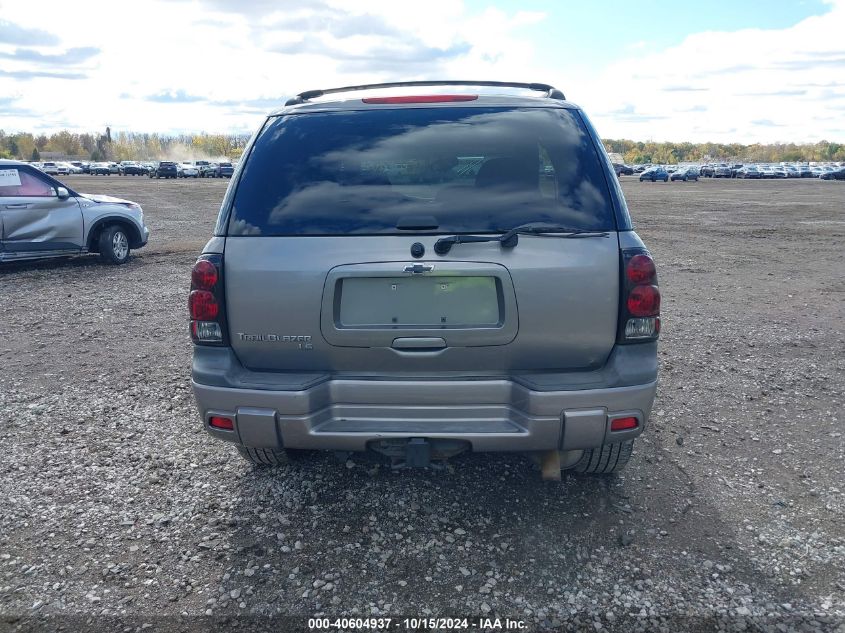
121,146
139,146
672,153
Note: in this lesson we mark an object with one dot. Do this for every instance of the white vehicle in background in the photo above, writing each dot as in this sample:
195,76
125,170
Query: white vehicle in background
50,168
71,168
188,170
63,169
42,217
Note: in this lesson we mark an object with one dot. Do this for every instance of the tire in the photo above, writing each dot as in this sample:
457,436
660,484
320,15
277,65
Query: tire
607,459
263,456
113,243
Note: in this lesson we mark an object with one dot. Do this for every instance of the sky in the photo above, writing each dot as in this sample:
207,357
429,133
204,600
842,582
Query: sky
723,71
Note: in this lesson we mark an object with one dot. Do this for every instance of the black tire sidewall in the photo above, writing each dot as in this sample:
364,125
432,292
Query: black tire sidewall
106,240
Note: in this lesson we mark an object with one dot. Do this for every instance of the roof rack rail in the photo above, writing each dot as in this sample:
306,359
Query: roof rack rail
551,91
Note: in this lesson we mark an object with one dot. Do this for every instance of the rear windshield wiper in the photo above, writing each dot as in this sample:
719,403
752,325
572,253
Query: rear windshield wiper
510,238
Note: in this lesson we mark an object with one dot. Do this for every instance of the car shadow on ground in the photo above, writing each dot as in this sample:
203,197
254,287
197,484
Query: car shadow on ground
368,530
71,262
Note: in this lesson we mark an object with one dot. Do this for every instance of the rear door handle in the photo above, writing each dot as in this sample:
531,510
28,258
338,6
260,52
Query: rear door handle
22,205
421,343
418,268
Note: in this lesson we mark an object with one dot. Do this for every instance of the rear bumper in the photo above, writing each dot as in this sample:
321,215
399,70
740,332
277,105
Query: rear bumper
496,414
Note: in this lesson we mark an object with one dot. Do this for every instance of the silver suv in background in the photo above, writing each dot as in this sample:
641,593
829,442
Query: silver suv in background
422,269
40,217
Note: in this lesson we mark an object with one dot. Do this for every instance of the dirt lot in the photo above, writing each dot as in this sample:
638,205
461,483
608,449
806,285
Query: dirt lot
114,502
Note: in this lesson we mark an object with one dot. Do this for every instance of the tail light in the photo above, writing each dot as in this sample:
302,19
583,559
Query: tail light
205,302
639,309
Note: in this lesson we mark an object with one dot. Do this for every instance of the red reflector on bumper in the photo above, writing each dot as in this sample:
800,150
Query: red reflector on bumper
624,424
222,423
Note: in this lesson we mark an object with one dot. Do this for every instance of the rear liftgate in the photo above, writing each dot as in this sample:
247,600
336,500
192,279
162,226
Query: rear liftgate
420,312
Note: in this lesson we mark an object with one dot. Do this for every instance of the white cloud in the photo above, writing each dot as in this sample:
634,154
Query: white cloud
751,85
218,66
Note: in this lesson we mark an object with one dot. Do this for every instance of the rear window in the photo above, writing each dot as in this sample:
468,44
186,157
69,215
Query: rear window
470,169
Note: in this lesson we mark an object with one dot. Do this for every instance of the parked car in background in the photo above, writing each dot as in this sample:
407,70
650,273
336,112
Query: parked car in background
41,217
80,166
685,173
50,168
99,169
188,170
620,169
428,304
131,168
748,171
805,171
165,169
654,174
706,171
837,173
202,166
779,171
63,169
722,170
224,170
766,171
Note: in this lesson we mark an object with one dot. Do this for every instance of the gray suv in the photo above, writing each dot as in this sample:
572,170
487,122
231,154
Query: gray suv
426,270
40,218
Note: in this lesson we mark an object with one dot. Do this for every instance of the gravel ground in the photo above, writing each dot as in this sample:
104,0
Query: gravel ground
115,503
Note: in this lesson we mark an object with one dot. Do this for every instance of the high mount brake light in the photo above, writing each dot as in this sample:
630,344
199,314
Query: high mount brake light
420,99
